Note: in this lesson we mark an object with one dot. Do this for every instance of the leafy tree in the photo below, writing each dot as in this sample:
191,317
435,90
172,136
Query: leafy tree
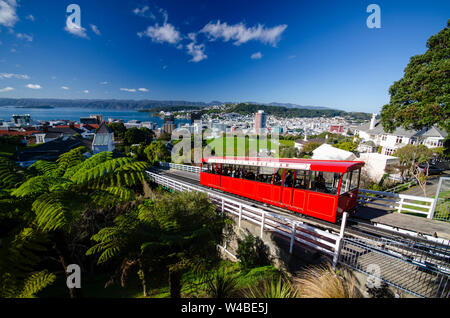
346,145
421,98
412,155
157,151
308,148
119,129
165,136
288,152
138,135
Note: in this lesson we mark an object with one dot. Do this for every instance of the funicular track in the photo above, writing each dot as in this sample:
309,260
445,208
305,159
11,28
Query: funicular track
411,263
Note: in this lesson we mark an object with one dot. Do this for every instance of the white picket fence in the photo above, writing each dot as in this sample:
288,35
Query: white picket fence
397,201
292,230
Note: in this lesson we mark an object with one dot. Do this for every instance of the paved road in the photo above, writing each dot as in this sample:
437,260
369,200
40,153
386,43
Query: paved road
431,188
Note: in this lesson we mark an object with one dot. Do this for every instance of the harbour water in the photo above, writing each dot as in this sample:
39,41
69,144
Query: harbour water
74,113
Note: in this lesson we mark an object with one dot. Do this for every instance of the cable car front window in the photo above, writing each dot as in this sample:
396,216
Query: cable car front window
346,180
355,179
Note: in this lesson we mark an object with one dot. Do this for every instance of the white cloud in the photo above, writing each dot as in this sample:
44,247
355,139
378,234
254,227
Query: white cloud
241,34
34,86
30,17
256,56
95,29
8,16
13,50
104,83
24,36
75,29
144,12
6,89
197,51
160,34
86,91
64,88
143,89
128,89
10,75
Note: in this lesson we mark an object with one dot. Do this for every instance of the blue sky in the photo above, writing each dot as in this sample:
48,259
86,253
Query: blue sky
304,52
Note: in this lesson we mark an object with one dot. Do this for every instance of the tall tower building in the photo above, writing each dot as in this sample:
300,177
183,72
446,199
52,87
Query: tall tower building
260,121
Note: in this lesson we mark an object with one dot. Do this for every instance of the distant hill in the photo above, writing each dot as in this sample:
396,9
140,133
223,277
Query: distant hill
101,104
285,112
289,105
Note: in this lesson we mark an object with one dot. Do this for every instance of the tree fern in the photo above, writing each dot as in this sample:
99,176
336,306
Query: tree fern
35,283
58,209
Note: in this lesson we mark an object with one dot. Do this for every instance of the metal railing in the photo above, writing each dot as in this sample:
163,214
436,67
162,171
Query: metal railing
421,269
397,201
177,166
292,230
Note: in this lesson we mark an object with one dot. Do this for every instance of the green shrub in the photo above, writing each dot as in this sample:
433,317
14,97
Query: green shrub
252,252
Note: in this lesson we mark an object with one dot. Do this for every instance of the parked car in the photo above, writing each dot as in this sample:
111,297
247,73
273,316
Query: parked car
432,169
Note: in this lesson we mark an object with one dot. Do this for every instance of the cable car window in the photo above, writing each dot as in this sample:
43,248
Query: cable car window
277,177
239,172
355,179
288,178
325,182
301,179
250,173
345,186
226,170
265,174
209,168
234,171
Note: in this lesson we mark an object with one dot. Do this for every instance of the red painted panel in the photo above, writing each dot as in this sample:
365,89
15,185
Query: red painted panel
298,199
321,206
347,202
287,196
264,190
276,194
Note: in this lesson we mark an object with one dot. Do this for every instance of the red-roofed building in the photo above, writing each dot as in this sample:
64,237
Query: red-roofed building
336,129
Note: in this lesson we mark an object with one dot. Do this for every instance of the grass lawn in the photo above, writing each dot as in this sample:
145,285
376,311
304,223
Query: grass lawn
193,285
289,143
238,146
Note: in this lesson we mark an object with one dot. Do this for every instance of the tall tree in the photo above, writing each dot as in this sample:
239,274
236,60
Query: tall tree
421,98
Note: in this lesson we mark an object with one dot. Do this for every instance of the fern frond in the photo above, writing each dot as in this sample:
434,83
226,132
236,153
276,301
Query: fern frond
57,210
35,283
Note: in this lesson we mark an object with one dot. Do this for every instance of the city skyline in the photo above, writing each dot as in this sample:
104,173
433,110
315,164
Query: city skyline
319,54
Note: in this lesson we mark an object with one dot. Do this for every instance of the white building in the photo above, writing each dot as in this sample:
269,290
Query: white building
373,131
377,164
103,139
328,152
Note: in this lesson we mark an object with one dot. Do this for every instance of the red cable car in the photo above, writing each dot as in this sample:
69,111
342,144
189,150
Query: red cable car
323,189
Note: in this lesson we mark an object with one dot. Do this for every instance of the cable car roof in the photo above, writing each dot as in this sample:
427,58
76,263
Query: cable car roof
289,163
